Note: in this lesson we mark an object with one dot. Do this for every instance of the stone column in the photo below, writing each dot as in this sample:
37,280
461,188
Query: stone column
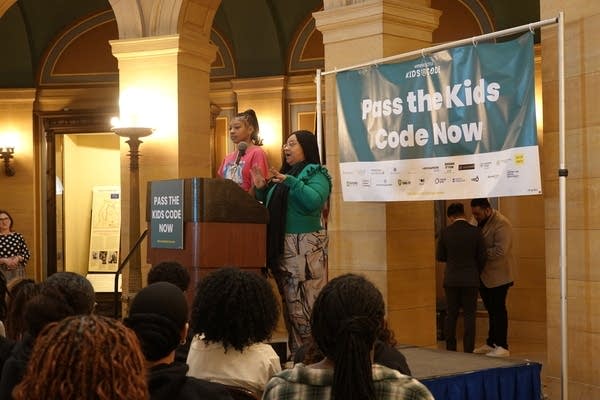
582,137
392,244
163,83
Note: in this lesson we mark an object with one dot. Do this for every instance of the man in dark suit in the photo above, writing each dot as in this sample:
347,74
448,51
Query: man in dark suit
461,246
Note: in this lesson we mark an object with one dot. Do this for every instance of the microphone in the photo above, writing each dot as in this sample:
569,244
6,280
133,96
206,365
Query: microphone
242,146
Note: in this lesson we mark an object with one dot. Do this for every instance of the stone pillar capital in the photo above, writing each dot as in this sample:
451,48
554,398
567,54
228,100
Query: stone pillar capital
406,19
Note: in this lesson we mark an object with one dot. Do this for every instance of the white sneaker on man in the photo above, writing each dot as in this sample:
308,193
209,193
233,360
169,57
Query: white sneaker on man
498,351
483,349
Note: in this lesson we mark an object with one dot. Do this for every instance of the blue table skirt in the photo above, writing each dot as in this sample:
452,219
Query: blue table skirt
519,382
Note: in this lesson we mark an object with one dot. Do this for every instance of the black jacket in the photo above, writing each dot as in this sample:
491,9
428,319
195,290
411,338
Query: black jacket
169,382
462,248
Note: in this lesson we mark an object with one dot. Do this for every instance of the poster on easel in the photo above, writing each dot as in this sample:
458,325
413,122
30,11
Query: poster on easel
105,229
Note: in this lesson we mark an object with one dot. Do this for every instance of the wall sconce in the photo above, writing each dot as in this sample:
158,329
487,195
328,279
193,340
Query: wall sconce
6,153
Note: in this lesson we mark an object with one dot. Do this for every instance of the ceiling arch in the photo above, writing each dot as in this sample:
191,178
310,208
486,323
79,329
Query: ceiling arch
260,34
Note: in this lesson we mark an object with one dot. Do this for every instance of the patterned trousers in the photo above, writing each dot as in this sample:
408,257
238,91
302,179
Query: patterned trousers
302,275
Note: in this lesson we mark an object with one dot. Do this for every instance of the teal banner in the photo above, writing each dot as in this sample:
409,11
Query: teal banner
166,214
458,123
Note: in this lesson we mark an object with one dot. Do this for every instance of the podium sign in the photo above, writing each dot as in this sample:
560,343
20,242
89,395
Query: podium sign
166,214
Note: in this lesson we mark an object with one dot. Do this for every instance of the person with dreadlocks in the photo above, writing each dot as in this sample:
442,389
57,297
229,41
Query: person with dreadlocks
233,312
84,357
296,241
346,321
62,295
158,315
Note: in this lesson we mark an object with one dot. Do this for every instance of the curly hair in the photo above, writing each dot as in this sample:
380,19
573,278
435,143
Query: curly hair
84,357
347,317
235,308
19,293
172,272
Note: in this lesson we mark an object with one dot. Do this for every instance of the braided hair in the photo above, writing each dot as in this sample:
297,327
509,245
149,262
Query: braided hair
347,317
235,308
249,117
84,357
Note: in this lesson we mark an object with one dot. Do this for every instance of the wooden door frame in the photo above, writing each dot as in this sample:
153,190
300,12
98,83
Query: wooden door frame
50,124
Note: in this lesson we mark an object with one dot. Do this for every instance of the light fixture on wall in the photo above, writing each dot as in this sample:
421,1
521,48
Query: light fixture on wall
133,135
6,153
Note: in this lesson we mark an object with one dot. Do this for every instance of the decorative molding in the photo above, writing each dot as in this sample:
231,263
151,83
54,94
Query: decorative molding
297,63
77,122
480,14
47,75
362,20
144,48
17,97
227,69
258,86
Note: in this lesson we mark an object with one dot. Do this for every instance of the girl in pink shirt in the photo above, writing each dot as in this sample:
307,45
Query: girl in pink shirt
236,166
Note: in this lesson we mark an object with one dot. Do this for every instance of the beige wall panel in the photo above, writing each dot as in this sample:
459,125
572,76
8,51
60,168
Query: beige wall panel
411,249
364,216
404,321
410,288
526,304
409,215
523,211
526,332
531,273
528,242
583,196
360,249
579,114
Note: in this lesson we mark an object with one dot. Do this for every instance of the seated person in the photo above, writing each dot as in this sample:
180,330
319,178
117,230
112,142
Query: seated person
233,312
172,272
385,352
175,273
347,318
160,326
62,295
84,357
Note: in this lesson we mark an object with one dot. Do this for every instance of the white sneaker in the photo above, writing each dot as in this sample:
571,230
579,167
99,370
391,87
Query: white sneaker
499,351
483,349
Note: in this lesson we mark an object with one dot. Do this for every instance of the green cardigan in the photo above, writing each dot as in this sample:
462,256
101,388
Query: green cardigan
308,193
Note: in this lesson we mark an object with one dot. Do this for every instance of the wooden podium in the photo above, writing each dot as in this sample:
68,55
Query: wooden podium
222,226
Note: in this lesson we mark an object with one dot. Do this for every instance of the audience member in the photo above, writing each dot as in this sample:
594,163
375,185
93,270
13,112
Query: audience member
384,353
172,272
460,245
234,311
175,273
160,326
20,291
496,276
84,357
346,320
62,295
